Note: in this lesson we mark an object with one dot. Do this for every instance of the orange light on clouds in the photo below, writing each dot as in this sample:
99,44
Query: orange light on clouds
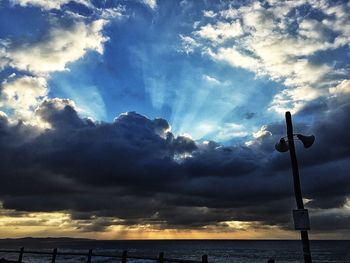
57,224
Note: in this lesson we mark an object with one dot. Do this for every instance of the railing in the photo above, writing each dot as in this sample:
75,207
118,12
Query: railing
123,257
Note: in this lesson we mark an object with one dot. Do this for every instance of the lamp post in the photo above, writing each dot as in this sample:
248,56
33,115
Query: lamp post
300,215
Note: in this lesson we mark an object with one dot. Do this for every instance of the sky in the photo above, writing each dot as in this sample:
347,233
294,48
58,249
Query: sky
153,119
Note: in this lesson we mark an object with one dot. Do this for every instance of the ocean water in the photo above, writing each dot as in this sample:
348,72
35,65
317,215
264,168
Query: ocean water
219,251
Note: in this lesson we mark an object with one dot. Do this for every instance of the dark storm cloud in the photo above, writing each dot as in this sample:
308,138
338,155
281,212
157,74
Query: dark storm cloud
133,169
330,221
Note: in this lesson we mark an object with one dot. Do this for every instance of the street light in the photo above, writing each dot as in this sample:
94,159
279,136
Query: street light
300,215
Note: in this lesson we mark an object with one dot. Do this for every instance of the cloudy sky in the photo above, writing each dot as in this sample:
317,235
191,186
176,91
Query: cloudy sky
158,119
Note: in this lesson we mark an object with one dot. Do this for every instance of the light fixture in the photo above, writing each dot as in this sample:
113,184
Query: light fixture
282,146
306,140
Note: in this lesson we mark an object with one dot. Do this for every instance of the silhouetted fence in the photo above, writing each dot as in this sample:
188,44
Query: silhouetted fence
122,258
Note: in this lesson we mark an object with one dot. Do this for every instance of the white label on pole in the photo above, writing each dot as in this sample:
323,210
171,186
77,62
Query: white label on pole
301,219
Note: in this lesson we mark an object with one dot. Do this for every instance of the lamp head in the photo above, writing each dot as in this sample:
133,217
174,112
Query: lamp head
306,140
282,146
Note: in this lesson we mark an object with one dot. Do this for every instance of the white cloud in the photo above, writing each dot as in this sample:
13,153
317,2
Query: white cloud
211,80
313,29
102,13
112,13
23,95
209,13
259,136
3,115
293,99
263,132
221,31
214,81
342,88
48,4
151,3
4,57
265,43
45,4
4,60
229,13
302,72
188,44
62,46
234,58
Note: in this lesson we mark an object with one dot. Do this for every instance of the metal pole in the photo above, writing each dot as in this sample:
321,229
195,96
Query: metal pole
20,257
161,257
124,256
297,187
89,256
54,254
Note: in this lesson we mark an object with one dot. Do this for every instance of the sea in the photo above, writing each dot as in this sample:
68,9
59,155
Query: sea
218,251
